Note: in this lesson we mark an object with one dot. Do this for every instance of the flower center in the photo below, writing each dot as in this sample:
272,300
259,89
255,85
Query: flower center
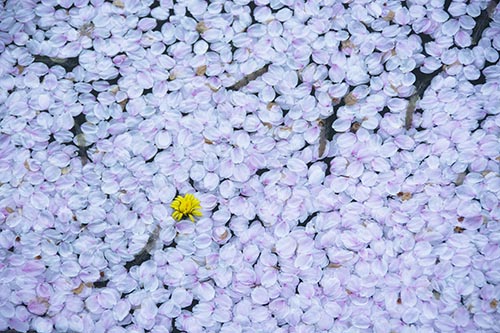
185,206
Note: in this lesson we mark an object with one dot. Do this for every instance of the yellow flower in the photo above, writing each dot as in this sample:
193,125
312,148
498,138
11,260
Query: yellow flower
186,206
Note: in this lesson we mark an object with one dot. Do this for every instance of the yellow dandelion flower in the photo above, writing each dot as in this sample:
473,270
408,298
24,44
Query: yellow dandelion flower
186,205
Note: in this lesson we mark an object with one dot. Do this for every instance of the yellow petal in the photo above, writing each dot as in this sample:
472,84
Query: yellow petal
177,216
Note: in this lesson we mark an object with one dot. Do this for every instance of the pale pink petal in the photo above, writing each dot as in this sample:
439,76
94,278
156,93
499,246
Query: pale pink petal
121,309
260,295
297,165
285,247
205,291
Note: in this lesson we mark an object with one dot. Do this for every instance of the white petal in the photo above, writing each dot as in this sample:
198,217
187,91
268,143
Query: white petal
297,165
341,125
411,315
121,310
285,247
211,181
110,187
107,298
44,101
450,27
260,295
355,169
205,291
241,173
203,241
316,175
163,139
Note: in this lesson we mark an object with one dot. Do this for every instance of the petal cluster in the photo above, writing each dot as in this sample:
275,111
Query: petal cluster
345,155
